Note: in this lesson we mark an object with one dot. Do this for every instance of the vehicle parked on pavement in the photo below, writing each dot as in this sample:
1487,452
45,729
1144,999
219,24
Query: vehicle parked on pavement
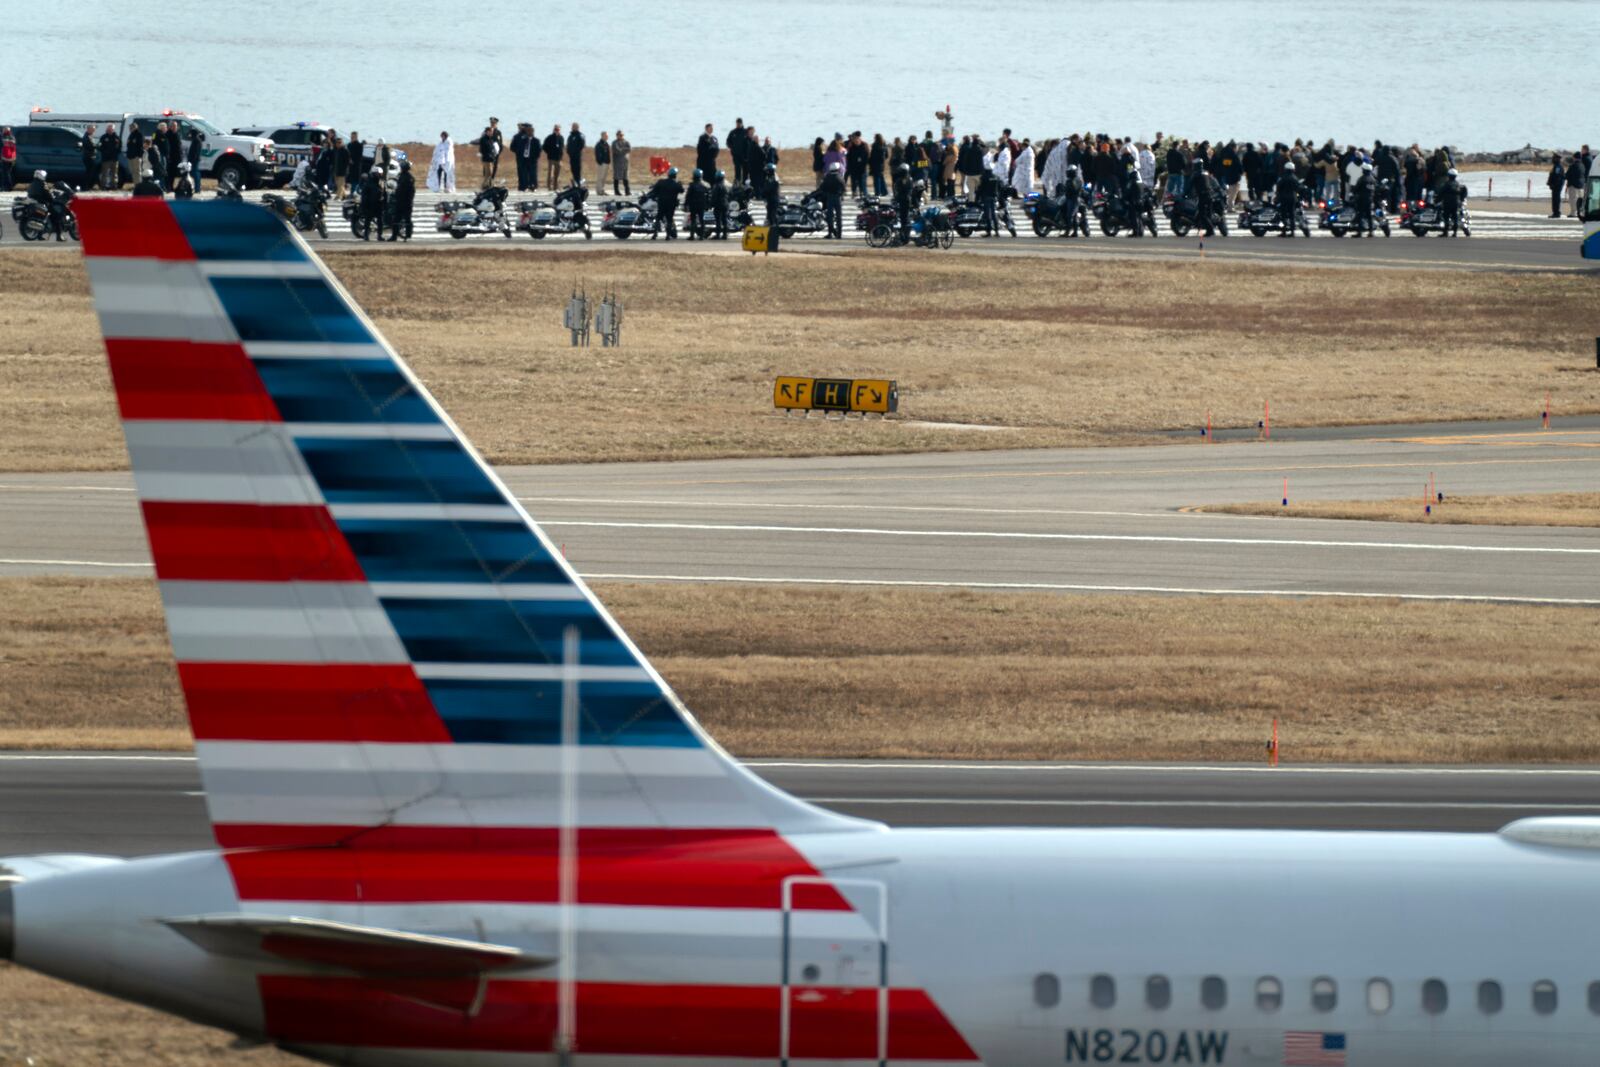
249,161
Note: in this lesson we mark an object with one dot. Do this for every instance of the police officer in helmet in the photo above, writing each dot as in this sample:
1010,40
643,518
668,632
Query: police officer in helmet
904,200
1288,192
666,192
696,200
719,206
831,191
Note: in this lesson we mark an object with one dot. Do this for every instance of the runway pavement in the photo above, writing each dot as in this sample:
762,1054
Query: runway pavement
1072,520
143,803
1501,241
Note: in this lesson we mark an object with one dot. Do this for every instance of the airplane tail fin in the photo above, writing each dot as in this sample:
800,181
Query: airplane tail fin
370,630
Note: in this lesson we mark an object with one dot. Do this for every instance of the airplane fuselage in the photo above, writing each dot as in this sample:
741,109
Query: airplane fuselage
1032,947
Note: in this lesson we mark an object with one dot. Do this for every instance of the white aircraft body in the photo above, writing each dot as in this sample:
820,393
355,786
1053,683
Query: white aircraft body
461,820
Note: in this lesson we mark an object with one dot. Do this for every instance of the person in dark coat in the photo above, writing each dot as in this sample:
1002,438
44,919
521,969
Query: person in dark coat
372,200
41,193
576,143
136,152
174,152
1365,194
357,152
553,144
1386,163
988,201
667,192
1289,193
1451,195
737,141
877,159
401,200
91,157
322,167
196,155
1576,178
755,162
110,146
1133,197
831,191
904,200
183,188
772,196
855,164
1555,182
696,202
718,194
526,157
705,152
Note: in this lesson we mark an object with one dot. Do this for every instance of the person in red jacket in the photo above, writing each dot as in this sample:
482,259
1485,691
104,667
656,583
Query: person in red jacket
8,159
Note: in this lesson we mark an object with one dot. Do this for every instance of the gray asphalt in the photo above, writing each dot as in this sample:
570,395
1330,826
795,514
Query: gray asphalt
1094,520
144,803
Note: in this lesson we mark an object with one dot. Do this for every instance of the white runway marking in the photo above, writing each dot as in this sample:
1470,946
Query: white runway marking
69,563
1159,768
1067,587
836,507
1017,535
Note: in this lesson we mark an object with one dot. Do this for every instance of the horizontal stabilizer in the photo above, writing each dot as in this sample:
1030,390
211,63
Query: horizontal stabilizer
369,950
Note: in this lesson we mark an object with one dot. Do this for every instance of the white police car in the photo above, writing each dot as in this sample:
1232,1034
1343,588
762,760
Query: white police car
295,141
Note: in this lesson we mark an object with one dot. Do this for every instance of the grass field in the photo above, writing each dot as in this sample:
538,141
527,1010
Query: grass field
935,673
45,1023
1527,509
1060,352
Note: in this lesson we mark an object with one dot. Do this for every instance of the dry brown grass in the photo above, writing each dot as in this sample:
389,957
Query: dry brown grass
1527,509
46,1023
1065,351
958,674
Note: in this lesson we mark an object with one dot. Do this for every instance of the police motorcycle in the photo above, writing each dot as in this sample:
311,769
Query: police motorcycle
1049,214
1260,217
1113,215
806,216
485,213
308,210
227,190
565,214
739,197
932,226
1183,214
624,218
875,211
33,218
1425,216
967,215
1338,216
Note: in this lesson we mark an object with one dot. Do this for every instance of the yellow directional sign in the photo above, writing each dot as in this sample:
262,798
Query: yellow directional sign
879,395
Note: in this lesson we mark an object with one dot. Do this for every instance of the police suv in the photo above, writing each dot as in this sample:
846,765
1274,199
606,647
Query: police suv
246,161
299,140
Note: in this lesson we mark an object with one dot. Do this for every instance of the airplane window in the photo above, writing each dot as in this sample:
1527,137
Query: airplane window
1158,992
1544,997
1269,994
1435,998
1594,997
1213,993
1103,991
1490,998
1324,994
1380,996
1046,990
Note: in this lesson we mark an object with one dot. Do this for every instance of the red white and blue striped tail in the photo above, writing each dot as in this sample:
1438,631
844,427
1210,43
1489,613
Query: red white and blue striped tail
369,628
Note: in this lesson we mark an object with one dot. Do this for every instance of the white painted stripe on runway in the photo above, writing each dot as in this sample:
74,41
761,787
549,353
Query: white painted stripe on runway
1159,768
1066,587
1042,802
70,563
840,507
1410,546
67,488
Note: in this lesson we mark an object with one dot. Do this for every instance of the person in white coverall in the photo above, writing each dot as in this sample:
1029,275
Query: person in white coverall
1022,170
442,170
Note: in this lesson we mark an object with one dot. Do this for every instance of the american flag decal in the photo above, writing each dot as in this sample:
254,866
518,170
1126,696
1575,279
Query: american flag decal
1312,1048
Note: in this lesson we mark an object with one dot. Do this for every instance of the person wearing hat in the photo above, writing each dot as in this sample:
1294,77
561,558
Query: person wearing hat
772,196
183,188
718,194
372,193
831,192
619,166
1451,195
696,200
